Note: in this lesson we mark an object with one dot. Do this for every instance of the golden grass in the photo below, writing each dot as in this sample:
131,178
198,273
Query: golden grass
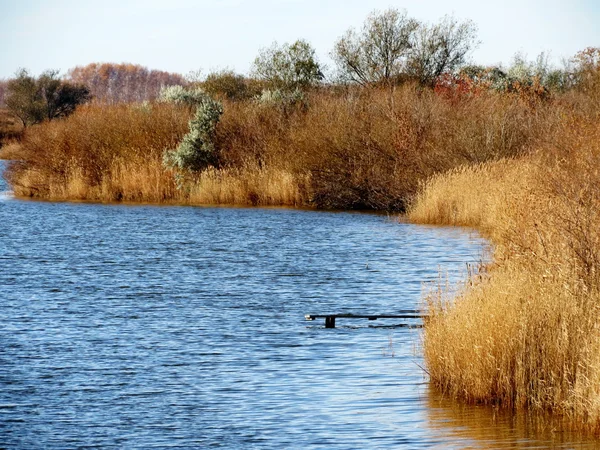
148,182
527,333
341,149
256,187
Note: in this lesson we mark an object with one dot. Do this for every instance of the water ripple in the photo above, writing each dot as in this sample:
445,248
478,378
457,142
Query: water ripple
150,327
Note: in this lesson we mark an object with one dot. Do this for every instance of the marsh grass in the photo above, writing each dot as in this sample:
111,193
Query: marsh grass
338,148
527,334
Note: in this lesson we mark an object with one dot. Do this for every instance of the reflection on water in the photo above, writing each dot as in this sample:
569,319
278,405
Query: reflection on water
470,426
154,327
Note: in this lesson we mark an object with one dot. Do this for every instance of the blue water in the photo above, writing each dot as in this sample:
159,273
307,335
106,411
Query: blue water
179,327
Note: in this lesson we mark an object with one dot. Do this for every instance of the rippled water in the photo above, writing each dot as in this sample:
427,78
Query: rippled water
153,327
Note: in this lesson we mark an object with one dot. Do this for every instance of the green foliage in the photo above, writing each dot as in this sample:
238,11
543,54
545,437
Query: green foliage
286,100
521,74
197,150
288,67
45,98
179,95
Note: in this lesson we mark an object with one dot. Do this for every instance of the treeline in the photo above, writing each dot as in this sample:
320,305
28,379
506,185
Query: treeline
389,49
123,83
404,103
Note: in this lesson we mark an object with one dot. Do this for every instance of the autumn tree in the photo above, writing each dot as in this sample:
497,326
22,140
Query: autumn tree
586,69
124,83
379,52
47,97
288,67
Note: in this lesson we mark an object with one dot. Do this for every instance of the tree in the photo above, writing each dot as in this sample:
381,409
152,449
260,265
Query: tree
288,67
441,48
45,98
123,83
586,69
379,52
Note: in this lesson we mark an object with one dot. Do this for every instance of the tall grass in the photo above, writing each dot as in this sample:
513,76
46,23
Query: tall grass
527,334
99,153
336,148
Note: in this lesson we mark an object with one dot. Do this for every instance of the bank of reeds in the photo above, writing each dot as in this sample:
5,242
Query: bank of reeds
337,148
526,334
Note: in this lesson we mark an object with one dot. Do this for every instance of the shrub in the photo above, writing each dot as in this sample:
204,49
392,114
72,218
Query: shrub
197,150
101,152
226,84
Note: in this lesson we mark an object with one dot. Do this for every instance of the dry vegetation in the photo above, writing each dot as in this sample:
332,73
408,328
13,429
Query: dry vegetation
520,163
527,332
347,148
10,126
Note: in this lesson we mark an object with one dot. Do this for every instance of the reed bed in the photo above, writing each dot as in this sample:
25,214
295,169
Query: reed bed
337,148
526,334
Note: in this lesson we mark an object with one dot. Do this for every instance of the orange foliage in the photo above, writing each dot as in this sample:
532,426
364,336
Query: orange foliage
123,83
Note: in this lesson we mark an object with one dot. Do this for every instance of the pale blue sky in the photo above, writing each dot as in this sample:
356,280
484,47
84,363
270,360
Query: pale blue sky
187,35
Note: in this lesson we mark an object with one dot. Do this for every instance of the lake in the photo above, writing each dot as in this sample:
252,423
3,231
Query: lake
179,327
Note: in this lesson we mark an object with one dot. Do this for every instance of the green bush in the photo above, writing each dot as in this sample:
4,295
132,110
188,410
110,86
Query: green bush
197,150
34,100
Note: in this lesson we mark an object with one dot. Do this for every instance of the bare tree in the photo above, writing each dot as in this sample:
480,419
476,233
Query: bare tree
288,66
378,53
441,48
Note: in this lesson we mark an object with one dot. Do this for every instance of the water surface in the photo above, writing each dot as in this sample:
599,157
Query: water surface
155,327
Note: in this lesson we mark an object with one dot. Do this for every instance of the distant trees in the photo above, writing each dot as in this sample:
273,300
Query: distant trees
391,47
47,97
288,67
379,52
123,83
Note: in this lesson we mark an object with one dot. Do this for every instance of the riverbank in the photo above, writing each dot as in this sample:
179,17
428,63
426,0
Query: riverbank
341,148
519,167
526,334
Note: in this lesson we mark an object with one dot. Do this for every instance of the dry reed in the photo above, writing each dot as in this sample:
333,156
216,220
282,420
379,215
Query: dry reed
527,334
343,149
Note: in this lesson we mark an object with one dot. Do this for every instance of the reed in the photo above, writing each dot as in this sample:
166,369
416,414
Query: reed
340,148
526,334
249,187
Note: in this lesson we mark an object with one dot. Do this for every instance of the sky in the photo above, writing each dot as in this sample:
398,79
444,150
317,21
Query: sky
188,36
